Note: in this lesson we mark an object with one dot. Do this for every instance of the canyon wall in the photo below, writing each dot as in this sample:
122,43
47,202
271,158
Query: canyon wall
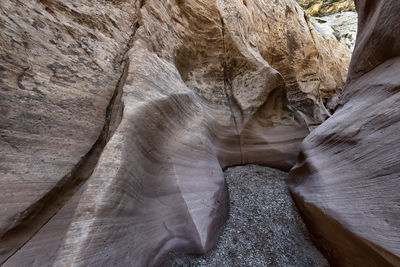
347,181
117,118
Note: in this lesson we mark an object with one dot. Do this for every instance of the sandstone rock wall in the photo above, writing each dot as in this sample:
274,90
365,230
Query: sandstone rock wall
61,64
348,177
118,117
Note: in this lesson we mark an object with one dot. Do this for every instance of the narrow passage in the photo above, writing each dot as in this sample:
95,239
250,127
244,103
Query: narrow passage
264,227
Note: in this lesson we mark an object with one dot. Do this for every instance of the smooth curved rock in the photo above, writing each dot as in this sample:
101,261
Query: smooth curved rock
348,177
203,85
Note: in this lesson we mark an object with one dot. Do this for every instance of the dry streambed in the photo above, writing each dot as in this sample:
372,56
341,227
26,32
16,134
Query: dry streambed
264,227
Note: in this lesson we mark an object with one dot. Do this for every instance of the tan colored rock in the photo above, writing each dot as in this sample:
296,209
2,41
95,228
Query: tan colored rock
348,177
203,85
324,7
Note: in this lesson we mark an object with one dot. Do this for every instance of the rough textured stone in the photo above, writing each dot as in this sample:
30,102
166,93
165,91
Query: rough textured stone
264,227
326,7
342,25
348,177
312,66
169,93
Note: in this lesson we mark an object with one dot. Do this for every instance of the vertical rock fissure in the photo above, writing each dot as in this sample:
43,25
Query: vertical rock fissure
228,87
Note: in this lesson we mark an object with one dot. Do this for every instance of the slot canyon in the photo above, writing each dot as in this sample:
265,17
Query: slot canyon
199,133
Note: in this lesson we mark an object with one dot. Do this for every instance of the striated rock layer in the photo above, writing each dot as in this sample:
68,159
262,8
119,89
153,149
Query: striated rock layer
347,180
118,117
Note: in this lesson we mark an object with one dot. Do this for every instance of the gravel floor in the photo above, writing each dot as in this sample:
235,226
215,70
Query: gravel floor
264,227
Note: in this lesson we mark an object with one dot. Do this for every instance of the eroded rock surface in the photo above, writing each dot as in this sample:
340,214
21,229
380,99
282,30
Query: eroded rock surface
168,93
341,25
348,177
60,63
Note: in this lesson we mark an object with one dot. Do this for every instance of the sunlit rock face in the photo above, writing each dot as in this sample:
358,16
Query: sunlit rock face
118,117
326,7
333,18
348,177
343,26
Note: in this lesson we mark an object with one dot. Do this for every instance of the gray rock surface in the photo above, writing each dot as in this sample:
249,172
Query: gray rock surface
264,227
